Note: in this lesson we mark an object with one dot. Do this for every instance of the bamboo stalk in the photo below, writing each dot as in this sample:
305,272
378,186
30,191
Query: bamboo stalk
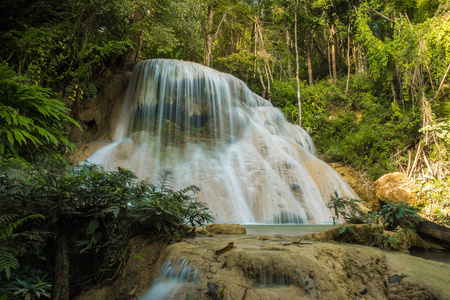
442,82
430,170
415,161
409,163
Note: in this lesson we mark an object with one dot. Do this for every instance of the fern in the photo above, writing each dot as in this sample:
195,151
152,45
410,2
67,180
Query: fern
7,262
30,116
8,230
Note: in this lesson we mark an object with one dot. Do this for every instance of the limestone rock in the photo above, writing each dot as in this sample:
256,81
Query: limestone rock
395,187
202,231
97,115
362,186
226,229
268,270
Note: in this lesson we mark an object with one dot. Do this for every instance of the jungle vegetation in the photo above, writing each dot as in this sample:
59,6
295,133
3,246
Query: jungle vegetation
367,79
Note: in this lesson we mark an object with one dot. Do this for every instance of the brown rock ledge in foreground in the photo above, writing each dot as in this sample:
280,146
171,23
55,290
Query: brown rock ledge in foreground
259,270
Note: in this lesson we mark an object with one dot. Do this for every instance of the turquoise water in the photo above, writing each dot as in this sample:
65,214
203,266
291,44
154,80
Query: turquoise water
287,229
436,256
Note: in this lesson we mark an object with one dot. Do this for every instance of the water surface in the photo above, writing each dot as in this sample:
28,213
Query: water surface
287,229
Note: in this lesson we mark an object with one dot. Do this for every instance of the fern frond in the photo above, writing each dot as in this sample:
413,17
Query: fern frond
7,231
8,262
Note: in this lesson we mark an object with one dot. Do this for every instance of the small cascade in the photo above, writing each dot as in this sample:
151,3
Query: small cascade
173,282
274,277
209,129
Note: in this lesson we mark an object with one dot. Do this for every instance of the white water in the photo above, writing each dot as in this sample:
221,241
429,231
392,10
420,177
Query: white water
210,130
172,279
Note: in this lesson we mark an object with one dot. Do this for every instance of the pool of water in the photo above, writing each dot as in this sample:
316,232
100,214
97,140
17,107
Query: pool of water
285,229
436,256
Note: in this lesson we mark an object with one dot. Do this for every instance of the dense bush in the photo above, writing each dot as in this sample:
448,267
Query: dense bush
32,120
97,213
359,127
389,228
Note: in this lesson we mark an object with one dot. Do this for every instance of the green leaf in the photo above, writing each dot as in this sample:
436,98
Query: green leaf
140,255
116,212
93,225
400,213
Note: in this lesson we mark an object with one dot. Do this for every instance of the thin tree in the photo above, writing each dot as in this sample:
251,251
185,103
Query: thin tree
207,58
297,66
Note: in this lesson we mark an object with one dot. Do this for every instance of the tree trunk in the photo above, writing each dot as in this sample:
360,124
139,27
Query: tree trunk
256,42
348,61
329,58
268,85
308,57
261,79
288,46
138,46
61,282
137,16
207,59
333,53
297,66
435,231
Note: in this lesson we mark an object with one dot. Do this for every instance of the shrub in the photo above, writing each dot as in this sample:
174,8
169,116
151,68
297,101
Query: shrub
346,208
32,120
398,214
97,212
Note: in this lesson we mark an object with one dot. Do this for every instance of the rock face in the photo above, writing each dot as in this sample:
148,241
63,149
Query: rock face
282,268
362,186
97,115
395,187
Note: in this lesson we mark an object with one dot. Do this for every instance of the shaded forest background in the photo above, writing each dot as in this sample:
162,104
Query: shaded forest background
367,79
372,75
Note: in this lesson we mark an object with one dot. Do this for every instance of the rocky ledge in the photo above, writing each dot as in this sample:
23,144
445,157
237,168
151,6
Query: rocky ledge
281,267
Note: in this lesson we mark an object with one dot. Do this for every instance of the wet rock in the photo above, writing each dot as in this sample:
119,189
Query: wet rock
213,290
266,238
395,278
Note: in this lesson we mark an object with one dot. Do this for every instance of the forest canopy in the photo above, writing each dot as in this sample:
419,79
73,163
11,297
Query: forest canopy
363,67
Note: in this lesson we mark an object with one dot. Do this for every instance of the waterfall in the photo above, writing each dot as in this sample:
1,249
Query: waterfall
210,130
172,279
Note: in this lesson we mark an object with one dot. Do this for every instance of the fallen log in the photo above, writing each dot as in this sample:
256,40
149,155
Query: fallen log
435,231
227,248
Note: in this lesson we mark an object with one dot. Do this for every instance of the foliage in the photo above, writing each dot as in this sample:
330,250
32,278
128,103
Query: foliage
389,228
387,241
434,197
30,284
345,208
398,214
31,119
97,211
362,130
8,223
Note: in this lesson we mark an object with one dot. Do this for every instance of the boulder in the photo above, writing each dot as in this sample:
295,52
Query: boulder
226,229
395,187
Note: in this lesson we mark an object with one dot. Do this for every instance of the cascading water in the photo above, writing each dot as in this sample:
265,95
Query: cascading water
210,130
171,279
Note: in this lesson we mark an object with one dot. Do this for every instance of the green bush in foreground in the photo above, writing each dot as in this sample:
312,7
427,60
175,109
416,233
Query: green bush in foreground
96,212
389,228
